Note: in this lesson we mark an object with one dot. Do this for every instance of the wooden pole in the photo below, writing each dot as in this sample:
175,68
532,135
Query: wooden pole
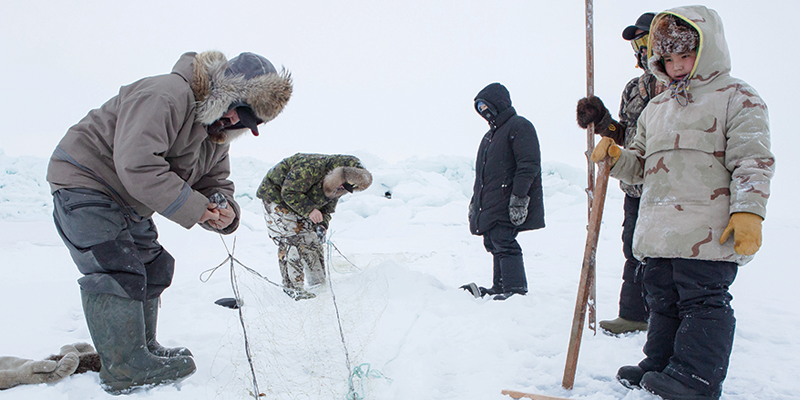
590,188
587,273
518,395
589,93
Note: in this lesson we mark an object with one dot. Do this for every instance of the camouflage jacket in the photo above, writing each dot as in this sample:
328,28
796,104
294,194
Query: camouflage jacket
701,161
296,182
635,97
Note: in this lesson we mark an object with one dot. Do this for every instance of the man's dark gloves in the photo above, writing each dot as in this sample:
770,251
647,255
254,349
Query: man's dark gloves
590,109
518,209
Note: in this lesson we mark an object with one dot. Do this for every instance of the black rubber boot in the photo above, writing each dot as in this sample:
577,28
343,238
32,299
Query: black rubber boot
150,322
117,328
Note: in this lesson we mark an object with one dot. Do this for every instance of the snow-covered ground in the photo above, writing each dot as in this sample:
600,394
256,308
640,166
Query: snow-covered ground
402,314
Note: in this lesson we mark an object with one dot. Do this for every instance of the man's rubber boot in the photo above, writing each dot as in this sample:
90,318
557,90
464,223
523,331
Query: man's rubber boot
150,322
621,326
117,328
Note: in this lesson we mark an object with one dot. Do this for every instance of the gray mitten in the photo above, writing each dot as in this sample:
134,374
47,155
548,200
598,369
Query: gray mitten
19,371
518,209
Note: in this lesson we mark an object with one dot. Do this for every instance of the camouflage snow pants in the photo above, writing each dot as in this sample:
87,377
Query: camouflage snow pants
300,251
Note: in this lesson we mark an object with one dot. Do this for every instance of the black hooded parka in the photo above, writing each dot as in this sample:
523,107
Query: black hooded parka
509,161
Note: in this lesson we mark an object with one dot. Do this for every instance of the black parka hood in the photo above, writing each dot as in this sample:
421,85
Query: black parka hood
497,95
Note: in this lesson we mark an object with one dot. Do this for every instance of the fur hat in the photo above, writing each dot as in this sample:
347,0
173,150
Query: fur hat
358,179
246,80
673,35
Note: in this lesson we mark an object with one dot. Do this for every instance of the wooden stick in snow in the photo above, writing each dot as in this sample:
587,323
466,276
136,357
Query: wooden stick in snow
590,188
587,272
520,395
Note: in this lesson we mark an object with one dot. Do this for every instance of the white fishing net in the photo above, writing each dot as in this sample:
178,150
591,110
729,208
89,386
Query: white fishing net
306,349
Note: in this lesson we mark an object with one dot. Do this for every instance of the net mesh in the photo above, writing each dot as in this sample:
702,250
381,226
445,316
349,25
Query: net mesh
304,349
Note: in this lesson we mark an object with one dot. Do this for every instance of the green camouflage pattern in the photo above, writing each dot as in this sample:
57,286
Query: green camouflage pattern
702,161
296,182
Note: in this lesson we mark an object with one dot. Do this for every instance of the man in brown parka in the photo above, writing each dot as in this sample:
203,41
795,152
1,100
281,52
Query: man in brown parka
160,145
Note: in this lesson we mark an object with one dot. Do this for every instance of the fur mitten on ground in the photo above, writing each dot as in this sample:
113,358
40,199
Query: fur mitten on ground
75,358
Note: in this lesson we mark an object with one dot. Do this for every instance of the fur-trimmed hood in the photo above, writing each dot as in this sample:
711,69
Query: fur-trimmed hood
215,91
360,178
713,58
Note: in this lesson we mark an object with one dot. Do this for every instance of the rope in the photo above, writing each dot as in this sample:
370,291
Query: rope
338,318
330,264
238,297
358,371
361,374
679,90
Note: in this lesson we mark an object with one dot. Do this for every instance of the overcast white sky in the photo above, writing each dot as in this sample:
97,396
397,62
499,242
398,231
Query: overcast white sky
395,78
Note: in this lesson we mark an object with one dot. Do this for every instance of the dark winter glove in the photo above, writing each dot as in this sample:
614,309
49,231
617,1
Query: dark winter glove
321,233
518,209
591,109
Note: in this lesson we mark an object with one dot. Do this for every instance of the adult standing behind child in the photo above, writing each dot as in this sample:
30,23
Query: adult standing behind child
300,193
507,195
632,315
702,153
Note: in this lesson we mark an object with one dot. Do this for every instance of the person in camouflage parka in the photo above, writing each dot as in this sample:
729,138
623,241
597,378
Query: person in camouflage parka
633,314
702,153
300,193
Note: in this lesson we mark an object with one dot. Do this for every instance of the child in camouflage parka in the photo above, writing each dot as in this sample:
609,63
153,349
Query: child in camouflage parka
702,153
300,193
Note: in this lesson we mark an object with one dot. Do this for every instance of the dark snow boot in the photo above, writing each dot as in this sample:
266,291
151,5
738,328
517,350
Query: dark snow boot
630,376
513,274
506,295
490,291
669,388
117,327
513,277
150,322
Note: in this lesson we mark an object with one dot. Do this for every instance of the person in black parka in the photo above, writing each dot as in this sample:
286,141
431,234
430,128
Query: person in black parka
507,196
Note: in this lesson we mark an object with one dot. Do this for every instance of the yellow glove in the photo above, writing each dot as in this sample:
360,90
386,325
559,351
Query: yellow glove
606,147
746,228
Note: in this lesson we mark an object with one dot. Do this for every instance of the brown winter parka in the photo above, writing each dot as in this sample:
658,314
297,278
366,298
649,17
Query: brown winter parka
148,147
